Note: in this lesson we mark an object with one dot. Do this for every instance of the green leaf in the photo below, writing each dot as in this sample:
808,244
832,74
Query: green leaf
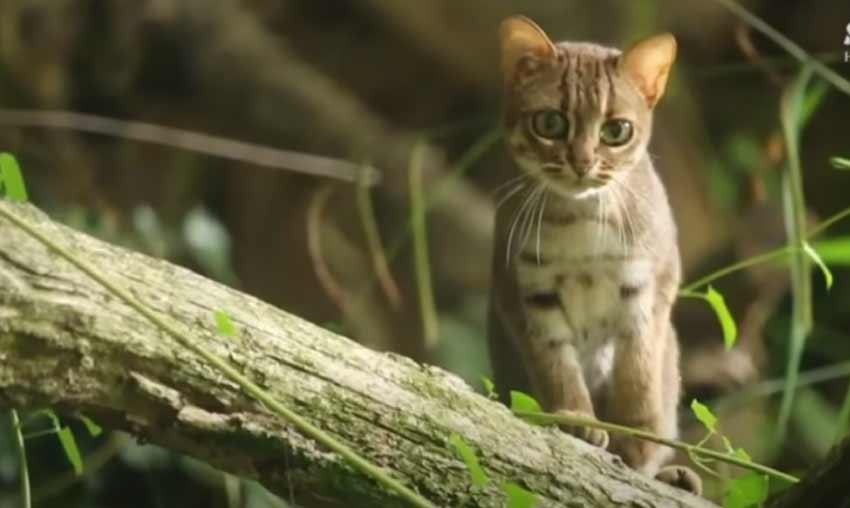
69,444
518,497
840,163
747,491
728,445
224,324
48,413
523,402
489,388
727,322
742,454
812,253
11,178
812,101
93,428
834,251
704,415
467,454
335,327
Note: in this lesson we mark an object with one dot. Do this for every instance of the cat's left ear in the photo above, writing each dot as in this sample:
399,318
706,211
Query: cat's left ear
524,46
648,63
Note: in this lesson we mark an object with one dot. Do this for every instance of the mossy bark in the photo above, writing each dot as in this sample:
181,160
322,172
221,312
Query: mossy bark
68,343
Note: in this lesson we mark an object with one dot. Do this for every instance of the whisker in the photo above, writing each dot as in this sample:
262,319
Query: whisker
600,218
642,242
540,224
528,221
520,212
504,185
517,188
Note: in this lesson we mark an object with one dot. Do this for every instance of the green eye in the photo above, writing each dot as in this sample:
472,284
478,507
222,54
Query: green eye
549,124
616,132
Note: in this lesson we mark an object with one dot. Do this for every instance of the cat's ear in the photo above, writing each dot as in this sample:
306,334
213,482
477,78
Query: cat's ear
524,46
648,63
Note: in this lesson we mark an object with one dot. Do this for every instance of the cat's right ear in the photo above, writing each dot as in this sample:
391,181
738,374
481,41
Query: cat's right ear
524,47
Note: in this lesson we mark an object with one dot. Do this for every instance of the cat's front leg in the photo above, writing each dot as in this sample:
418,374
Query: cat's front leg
635,396
557,380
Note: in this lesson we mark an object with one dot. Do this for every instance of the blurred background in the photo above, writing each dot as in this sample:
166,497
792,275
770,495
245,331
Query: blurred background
412,90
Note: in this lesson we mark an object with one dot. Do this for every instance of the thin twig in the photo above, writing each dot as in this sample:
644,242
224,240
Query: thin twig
314,165
376,250
787,44
765,256
743,37
249,387
562,419
326,278
772,386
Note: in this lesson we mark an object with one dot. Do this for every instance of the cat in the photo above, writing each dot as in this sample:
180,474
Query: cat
586,266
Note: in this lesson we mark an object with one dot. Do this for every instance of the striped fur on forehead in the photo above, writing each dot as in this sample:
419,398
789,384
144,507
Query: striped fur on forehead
587,78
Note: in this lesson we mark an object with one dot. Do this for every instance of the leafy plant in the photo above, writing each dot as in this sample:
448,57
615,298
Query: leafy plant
63,433
840,163
11,179
524,402
224,324
724,316
489,388
517,496
467,454
746,491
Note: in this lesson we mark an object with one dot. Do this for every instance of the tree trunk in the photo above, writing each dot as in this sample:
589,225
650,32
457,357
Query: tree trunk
68,343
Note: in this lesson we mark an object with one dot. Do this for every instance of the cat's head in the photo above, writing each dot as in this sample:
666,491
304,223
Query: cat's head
579,115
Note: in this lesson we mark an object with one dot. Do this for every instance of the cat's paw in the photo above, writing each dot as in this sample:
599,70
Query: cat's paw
681,477
596,437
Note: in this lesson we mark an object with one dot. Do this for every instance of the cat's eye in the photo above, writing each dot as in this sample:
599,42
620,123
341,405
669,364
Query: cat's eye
549,124
617,132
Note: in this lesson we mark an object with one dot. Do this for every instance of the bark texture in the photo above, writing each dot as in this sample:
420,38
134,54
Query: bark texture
66,342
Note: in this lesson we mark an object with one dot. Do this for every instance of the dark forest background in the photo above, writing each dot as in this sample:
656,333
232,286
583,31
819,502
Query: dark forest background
375,81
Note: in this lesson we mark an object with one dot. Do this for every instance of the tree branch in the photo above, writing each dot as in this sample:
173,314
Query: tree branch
66,342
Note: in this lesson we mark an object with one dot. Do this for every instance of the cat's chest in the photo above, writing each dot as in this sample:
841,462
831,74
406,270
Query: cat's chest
601,280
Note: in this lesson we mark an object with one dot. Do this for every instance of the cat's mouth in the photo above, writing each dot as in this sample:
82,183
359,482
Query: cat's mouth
565,182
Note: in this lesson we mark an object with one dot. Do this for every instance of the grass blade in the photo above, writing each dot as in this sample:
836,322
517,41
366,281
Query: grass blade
727,322
11,178
813,254
518,497
467,454
834,251
721,310
93,428
18,432
69,445
794,206
840,163
422,264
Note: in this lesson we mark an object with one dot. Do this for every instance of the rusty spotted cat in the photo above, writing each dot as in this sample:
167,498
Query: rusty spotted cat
586,264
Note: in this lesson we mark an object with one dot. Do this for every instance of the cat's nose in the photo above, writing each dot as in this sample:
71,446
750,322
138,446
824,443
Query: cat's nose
582,167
